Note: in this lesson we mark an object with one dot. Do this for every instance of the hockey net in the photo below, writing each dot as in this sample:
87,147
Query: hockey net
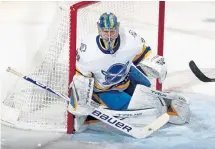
27,106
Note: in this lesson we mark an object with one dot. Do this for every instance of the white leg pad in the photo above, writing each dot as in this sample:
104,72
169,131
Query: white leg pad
143,99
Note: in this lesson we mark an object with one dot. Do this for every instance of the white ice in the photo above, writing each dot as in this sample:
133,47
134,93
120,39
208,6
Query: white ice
189,35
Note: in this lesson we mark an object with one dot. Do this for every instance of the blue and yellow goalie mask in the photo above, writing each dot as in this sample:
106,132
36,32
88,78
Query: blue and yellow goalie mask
108,30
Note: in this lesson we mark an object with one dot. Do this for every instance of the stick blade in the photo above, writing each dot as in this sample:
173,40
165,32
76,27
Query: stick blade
197,72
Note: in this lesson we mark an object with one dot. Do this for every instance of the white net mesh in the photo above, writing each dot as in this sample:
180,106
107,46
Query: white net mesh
35,108
134,15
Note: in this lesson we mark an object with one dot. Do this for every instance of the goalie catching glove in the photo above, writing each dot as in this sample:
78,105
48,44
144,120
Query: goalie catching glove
154,66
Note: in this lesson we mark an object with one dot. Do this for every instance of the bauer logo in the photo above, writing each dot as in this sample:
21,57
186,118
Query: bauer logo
111,121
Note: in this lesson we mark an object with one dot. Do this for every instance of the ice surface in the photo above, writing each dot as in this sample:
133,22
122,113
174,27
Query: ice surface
189,34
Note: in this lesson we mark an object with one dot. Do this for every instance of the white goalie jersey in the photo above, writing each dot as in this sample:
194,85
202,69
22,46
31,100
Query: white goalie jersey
110,71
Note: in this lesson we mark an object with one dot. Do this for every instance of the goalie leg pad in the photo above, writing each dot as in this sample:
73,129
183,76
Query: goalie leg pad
143,99
179,109
79,123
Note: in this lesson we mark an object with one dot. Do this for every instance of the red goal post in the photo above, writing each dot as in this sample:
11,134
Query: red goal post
72,46
73,39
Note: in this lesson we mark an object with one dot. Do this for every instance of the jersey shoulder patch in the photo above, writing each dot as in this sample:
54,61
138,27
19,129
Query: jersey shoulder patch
136,36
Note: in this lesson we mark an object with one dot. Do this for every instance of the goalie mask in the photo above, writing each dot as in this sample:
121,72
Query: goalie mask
108,28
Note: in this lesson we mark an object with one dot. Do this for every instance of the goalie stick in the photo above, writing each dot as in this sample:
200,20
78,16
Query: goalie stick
105,117
199,74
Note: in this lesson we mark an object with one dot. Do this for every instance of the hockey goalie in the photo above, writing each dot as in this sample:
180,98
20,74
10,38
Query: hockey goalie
113,69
